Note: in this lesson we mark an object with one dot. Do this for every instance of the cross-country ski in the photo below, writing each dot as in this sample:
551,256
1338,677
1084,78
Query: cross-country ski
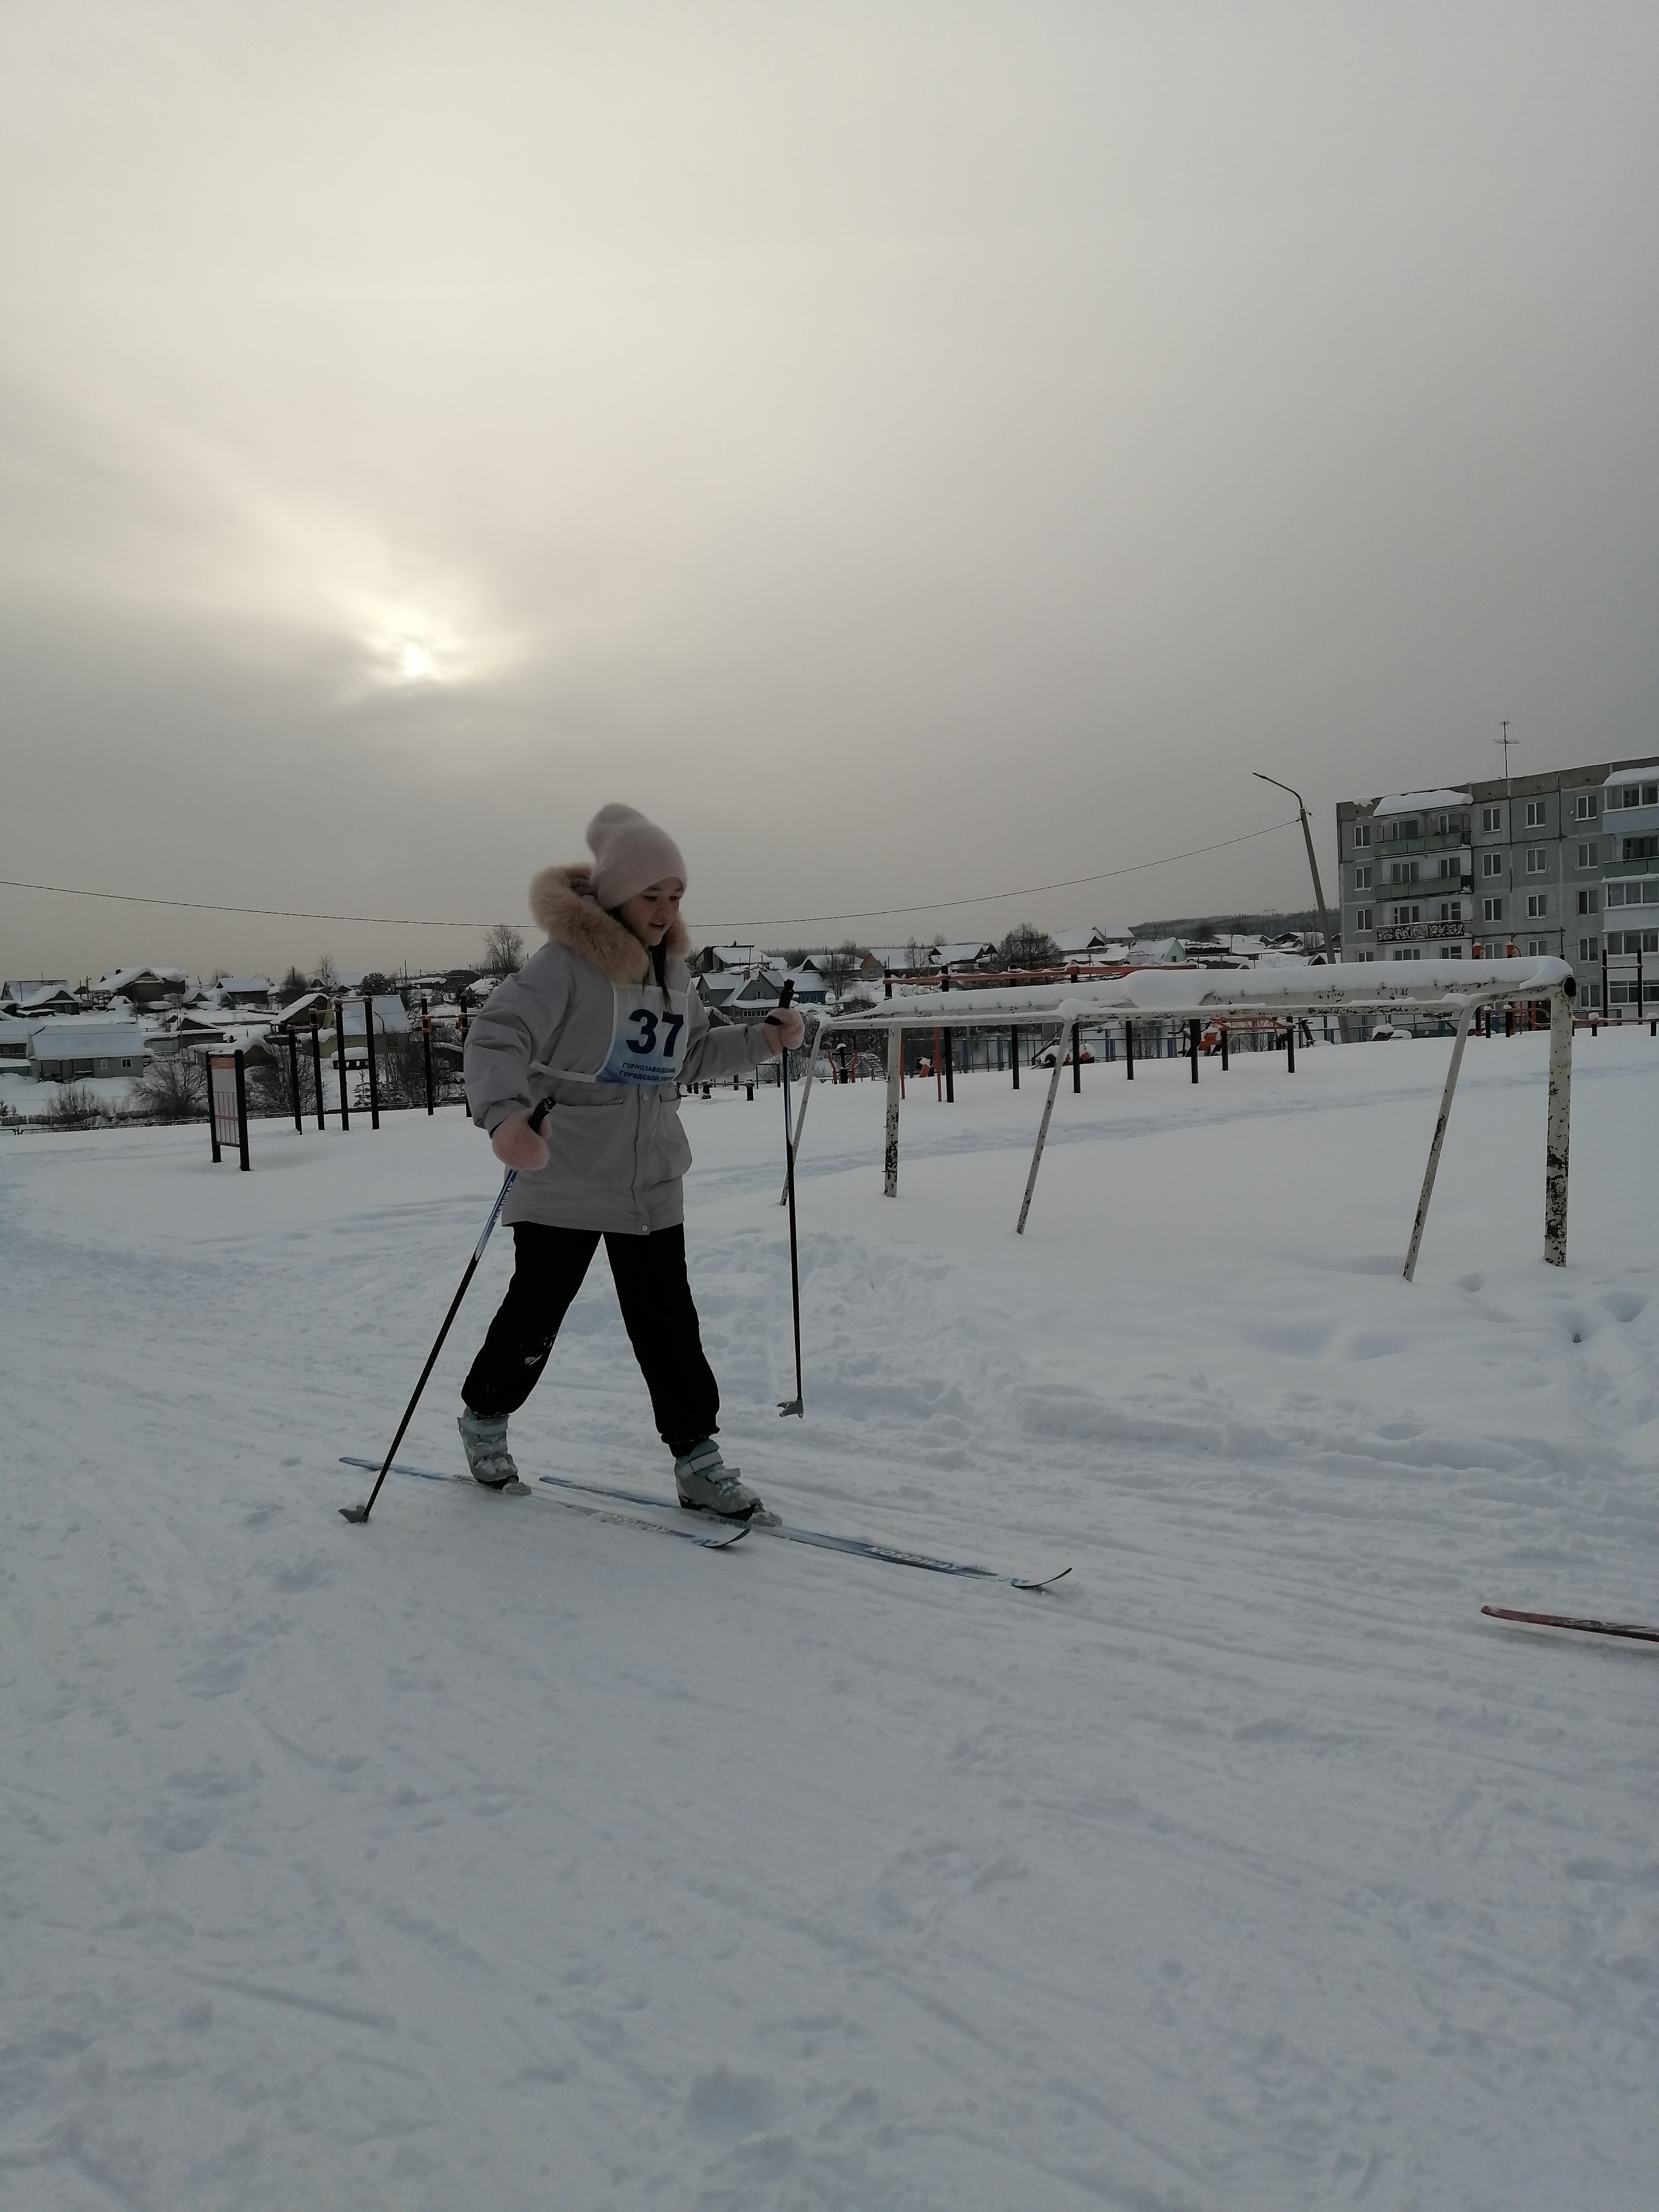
719,1539
1627,1628
863,1548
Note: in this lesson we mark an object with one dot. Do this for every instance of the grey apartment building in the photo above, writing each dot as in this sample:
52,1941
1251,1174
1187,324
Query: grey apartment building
1566,863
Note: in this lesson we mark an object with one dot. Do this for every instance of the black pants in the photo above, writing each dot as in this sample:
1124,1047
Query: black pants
649,1273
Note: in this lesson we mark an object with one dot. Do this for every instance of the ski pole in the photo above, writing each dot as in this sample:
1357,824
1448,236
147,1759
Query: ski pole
359,1514
793,1405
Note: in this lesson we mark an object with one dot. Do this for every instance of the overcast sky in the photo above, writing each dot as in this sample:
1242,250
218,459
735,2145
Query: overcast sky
913,452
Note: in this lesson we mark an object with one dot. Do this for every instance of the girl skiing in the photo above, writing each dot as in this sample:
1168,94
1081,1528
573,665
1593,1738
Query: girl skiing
604,1021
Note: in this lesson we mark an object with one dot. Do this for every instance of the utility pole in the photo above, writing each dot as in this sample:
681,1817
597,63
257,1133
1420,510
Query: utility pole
1307,834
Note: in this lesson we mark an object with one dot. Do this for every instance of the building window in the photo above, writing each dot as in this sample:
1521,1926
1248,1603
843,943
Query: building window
1632,941
1538,859
1491,864
1589,856
1634,795
1534,814
1362,917
1404,871
1492,818
1451,909
1451,952
1592,993
1491,909
1585,807
1588,902
1397,915
1407,952
1538,905
1362,835
1405,825
1641,849
1589,948
1537,947
1450,865
1362,879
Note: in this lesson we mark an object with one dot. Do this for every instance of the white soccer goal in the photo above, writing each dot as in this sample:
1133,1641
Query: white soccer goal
1451,989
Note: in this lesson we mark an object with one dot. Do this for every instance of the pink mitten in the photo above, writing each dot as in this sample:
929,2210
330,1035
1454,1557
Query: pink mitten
516,1144
783,1030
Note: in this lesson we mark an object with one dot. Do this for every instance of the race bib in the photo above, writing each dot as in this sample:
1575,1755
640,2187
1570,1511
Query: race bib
648,1039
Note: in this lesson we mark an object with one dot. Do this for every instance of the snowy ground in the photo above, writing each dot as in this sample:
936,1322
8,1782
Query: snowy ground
492,1856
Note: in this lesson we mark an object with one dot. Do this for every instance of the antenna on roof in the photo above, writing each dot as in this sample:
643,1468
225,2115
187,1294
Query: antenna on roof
1506,741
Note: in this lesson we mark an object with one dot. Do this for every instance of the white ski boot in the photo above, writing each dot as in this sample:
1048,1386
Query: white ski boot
706,1484
483,1438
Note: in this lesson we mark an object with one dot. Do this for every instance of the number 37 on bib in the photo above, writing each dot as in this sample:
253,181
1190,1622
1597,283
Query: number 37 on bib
648,1039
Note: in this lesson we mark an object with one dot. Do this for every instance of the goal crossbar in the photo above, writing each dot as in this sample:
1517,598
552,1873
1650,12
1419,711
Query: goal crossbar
1453,988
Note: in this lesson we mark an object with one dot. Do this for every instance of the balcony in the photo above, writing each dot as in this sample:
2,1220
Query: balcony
1647,866
1444,840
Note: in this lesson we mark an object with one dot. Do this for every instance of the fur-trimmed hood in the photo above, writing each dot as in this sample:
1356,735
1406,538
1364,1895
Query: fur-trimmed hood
563,903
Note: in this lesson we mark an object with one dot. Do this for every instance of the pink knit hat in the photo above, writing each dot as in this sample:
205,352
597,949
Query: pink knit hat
629,853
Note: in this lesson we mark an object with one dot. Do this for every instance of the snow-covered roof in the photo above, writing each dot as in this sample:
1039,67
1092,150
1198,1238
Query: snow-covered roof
1632,775
45,999
953,956
86,1040
733,956
1419,802
244,983
1150,949
120,978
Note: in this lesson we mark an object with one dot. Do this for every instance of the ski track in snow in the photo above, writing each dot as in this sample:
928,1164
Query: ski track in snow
490,1856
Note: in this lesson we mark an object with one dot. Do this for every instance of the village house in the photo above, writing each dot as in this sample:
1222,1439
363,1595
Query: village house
142,987
68,1051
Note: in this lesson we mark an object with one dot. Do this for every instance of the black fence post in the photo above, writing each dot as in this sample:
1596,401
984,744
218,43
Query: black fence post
293,1079
1192,1034
1077,1057
1014,1051
373,1072
426,1050
1129,1047
1289,1045
242,1110
1224,1047
950,1052
213,1106
317,1067
340,1060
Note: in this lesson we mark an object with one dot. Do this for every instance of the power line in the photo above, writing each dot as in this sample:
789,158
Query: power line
989,898
776,921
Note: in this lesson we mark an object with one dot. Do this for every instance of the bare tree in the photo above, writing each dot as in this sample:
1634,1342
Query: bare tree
327,974
503,948
173,1088
73,1107
841,965
1027,946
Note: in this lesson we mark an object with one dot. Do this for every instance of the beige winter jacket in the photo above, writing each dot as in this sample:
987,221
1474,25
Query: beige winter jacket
584,1023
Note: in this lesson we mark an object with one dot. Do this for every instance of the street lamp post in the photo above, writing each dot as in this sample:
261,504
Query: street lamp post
1307,834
